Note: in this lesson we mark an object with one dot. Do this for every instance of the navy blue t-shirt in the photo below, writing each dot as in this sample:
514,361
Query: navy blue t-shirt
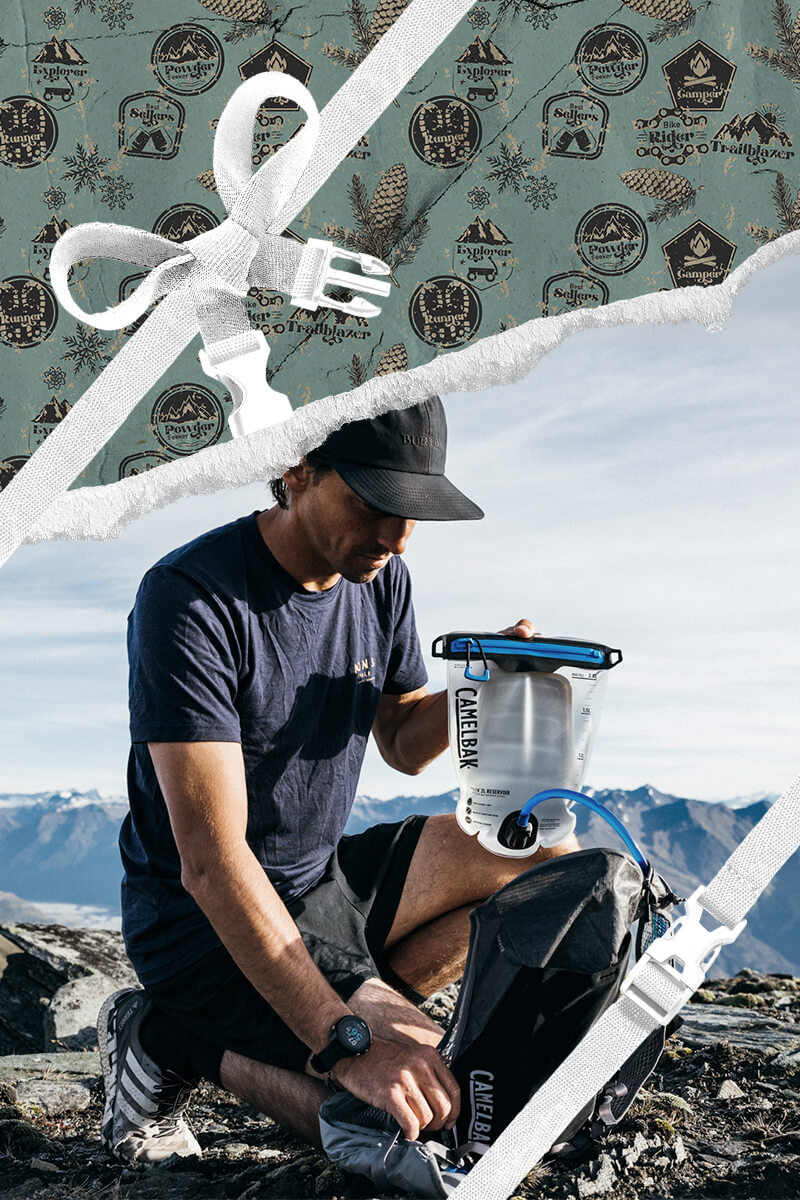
224,645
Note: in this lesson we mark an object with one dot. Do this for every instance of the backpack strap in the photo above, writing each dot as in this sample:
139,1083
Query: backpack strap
651,996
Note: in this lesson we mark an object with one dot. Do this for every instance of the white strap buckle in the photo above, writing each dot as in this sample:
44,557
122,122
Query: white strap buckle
687,943
255,404
315,271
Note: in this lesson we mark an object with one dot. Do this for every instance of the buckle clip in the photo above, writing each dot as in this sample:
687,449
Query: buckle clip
315,271
255,404
687,943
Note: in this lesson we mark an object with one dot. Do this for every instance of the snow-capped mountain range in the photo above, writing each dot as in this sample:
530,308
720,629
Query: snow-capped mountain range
59,859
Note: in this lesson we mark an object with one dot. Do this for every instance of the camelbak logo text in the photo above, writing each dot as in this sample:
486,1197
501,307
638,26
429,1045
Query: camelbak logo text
481,1099
467,727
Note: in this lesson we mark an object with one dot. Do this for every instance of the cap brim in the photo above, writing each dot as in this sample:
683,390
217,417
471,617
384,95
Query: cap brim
416,497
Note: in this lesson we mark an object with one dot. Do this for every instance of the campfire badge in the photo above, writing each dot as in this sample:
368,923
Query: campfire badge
699,256
699,78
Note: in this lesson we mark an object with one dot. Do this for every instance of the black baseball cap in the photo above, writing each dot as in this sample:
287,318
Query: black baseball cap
395,463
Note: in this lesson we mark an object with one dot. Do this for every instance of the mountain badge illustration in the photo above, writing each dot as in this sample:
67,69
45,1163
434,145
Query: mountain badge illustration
611,239
60,72
758,137
482,253
187,417
611,59
46,420
188,59
483,73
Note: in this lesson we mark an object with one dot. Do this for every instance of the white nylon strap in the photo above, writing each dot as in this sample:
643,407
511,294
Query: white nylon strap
769,844
624,1026
207,277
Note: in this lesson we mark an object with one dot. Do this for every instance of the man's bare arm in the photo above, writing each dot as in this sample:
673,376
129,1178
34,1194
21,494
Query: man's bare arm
204,787
203,784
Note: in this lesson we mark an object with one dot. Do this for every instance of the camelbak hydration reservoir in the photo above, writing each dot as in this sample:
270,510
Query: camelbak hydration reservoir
523,716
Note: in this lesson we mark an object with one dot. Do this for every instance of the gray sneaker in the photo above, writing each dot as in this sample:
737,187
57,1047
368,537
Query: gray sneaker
143,1120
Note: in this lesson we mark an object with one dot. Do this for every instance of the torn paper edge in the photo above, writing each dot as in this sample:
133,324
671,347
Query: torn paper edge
103,512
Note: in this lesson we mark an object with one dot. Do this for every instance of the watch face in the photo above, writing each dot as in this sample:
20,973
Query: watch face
353,1034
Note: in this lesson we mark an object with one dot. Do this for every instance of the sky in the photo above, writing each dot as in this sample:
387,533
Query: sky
641,488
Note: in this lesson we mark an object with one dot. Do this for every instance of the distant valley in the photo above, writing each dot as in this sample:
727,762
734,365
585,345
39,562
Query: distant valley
60,862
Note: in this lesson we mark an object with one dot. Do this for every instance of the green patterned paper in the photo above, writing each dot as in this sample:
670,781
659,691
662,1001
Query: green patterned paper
544,159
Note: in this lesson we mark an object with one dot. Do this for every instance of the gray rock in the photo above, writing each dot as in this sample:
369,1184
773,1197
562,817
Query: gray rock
75,952
81,1066
54,1097
602,1178
631,1154
50,993
71,1017
707,1024
55,1083
679,1150
789,1057
729,1090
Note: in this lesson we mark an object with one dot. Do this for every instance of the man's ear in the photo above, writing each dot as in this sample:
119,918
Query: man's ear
298,478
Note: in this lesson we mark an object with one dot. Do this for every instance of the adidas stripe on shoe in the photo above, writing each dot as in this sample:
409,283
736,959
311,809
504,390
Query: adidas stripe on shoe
143,1118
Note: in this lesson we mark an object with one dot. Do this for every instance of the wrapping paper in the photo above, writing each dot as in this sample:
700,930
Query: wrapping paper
548,168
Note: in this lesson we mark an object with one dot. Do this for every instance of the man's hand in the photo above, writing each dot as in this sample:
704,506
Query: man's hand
406,1079
523,628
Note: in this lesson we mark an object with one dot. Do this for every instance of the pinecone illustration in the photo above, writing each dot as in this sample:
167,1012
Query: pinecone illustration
385,16
787,208
247,17
386,206
676,16
206,179
393,359
381,227
787,58
239,10
676,193
366,33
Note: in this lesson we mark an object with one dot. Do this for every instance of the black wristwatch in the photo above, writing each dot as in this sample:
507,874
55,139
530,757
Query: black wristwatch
350,1036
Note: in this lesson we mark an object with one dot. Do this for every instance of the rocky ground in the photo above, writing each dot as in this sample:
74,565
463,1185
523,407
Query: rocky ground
720,1117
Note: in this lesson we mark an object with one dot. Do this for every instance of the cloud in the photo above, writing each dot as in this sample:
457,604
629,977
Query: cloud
641,489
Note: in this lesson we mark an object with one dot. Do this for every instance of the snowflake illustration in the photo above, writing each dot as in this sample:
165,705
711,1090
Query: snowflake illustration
85,167
86,350
510,169
540,191
116,13
478,197
115,191
2,406
90,4
54,17
538,17
479,17
538,14
54,378
54,197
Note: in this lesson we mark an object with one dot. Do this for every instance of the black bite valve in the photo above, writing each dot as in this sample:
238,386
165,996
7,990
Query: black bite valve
514,836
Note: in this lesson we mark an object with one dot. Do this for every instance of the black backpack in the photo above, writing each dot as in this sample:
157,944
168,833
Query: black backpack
547,955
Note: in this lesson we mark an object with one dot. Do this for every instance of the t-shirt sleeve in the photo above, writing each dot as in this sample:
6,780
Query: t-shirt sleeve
406,671
183,662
